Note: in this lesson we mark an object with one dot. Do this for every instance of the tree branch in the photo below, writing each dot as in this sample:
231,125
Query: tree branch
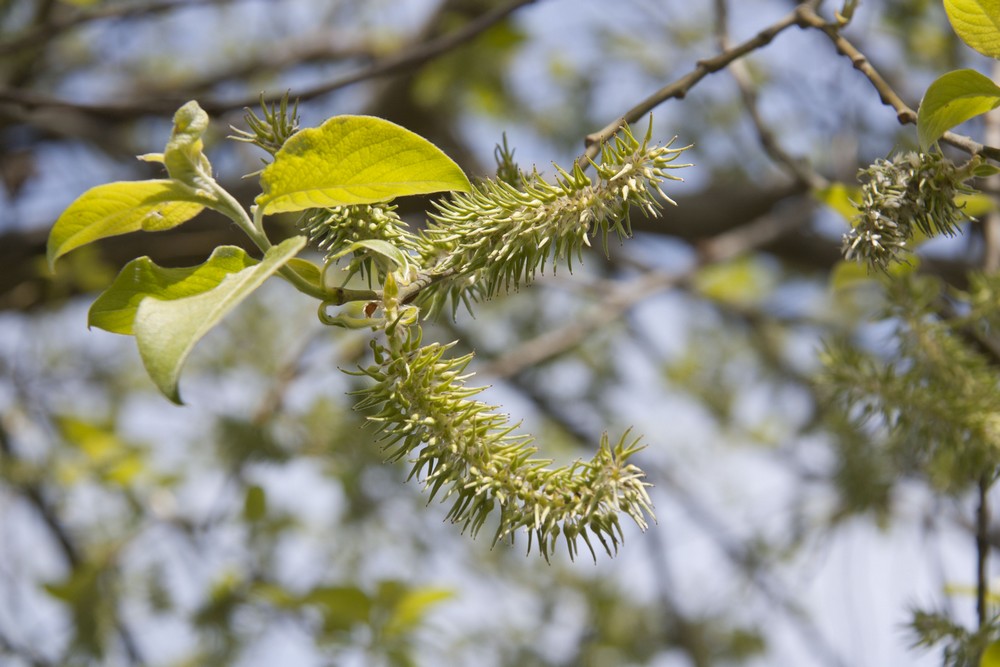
797,169
728,544
406,59
904,114
46,31
983,548
680,88
720,248
803,16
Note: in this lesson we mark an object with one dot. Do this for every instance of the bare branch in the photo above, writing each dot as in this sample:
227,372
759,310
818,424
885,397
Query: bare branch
720,248
804,16
47,30
798,169
889,97
680,88
406,59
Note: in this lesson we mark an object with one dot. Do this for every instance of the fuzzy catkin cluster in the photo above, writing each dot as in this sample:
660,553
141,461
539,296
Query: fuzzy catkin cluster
909,193
480,243
502,233
466,451
333,229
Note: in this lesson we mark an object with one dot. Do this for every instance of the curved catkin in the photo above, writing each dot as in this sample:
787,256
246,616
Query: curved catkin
467,453
501,234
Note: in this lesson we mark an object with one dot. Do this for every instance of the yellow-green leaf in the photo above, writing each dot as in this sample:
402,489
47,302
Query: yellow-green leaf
976,204
840,198
742,281
411,609
355,160
848,274
991,656
977,22
952,99
342,607
119,208
114,310
255,504
166,330
98,442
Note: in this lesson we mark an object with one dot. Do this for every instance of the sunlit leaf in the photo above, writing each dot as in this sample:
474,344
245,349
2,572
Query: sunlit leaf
167,330
977,204
991,656
255,503
412,608
119,208
342,607
114,310
977,22
952,99
742,281
97,442
355,160
847,274
840,198
105,453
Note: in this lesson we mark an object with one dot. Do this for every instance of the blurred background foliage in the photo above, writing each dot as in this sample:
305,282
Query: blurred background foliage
257,525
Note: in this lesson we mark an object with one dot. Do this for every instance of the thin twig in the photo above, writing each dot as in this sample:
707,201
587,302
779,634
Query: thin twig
46,31
798,169
680,88
983,548
991,263
804,16
708,521
559,341
904,114
720,248
406,59
33,493
29,655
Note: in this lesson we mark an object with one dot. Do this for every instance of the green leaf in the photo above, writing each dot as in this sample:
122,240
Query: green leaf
379,247
976,204
977,22
255,504
985,171
847,275
167,330
410,611
840,198
952,99
991,656
742,281
114,310
342,607
119,208
355,160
